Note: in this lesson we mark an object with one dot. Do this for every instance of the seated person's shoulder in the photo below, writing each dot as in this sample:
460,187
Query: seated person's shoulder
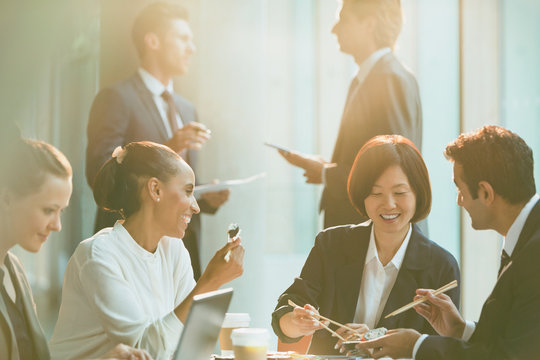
437,254
343,235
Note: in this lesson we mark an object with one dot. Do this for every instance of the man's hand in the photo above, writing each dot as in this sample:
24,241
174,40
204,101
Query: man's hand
192,136
396,344
441,313
124,352
216,198
347,334
312,164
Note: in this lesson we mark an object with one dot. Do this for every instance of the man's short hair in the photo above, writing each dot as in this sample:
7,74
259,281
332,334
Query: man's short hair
388,15
377,155
498,156
156,18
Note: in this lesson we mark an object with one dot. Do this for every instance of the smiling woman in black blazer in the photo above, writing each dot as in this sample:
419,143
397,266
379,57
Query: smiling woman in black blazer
356,274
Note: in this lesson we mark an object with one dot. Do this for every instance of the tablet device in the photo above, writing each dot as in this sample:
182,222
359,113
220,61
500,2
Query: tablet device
282,148
203,324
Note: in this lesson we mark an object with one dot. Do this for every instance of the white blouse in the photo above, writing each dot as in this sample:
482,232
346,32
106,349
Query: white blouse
377,282
117,292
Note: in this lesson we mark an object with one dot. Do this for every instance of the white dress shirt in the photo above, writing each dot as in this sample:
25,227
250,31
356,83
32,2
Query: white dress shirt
117,292
377,282
510,242
157,88
363,71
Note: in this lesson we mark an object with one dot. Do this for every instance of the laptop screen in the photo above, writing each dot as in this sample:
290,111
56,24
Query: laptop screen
201,330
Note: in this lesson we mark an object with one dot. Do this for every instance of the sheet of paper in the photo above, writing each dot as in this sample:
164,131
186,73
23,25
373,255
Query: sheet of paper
201,189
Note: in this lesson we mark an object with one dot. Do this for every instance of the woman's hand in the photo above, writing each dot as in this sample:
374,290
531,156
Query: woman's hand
441,313
124,352
347,334
300,322
220,271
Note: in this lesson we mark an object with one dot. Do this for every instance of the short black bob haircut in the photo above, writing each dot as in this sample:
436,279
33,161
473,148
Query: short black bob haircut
378,154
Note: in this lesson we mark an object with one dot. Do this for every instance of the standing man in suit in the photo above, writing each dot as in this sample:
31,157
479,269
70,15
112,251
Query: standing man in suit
145,107
383,99
493,171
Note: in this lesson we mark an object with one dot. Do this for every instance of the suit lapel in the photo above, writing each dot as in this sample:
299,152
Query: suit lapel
413,261
40,343
531,226
148,102
10,336
187,115
348,276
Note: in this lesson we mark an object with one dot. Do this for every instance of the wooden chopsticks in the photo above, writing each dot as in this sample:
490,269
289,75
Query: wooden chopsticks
291,303
440,290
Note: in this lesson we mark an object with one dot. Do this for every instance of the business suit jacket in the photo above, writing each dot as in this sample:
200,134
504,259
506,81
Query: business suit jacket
124,113
8,340
387,102
331,277
509,324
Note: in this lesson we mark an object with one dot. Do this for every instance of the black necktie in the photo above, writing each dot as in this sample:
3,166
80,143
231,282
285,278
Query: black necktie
505,259
171,113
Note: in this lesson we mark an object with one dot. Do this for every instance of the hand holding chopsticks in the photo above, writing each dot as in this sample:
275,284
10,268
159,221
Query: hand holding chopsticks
314,317
441,290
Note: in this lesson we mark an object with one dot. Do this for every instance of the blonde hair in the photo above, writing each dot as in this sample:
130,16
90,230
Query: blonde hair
388,16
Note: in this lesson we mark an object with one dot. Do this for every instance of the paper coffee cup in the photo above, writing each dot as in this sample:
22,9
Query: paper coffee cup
232,321
250,343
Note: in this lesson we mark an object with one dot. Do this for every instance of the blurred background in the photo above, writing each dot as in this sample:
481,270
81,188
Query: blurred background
270,70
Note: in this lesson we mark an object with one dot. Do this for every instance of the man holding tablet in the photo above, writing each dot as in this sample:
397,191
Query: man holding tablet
383,99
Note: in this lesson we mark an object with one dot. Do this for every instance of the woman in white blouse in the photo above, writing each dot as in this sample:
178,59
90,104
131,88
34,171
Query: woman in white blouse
133,283
356,274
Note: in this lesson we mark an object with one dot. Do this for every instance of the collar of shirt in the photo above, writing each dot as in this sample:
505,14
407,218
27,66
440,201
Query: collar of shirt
512,236
154,85
131,245
365,67
397,260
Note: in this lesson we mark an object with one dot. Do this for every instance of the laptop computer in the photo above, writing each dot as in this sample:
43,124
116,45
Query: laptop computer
203,324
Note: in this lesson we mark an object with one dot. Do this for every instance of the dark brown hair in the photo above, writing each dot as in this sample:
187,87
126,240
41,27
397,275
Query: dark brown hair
379,153
155,18
25,163
117,187
498,156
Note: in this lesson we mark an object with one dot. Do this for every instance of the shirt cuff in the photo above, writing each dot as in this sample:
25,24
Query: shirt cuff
173,329
417,344
470,326
323,174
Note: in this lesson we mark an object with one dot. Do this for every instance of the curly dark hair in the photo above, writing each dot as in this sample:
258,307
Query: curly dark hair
498,156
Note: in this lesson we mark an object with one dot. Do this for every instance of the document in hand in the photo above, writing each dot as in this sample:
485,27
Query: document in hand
201,189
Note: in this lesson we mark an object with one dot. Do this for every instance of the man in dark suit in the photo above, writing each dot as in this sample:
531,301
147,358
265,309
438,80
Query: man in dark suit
493,171
145,107
383,99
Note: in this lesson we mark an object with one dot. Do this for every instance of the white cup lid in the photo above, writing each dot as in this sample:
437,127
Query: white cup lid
250,337
234,320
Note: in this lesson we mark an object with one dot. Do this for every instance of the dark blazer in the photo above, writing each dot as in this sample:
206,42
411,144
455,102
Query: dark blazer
8,341
509,324
387,102
331,277
124,113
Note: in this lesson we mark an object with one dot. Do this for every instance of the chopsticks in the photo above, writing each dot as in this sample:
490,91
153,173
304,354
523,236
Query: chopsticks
440,290
291,303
